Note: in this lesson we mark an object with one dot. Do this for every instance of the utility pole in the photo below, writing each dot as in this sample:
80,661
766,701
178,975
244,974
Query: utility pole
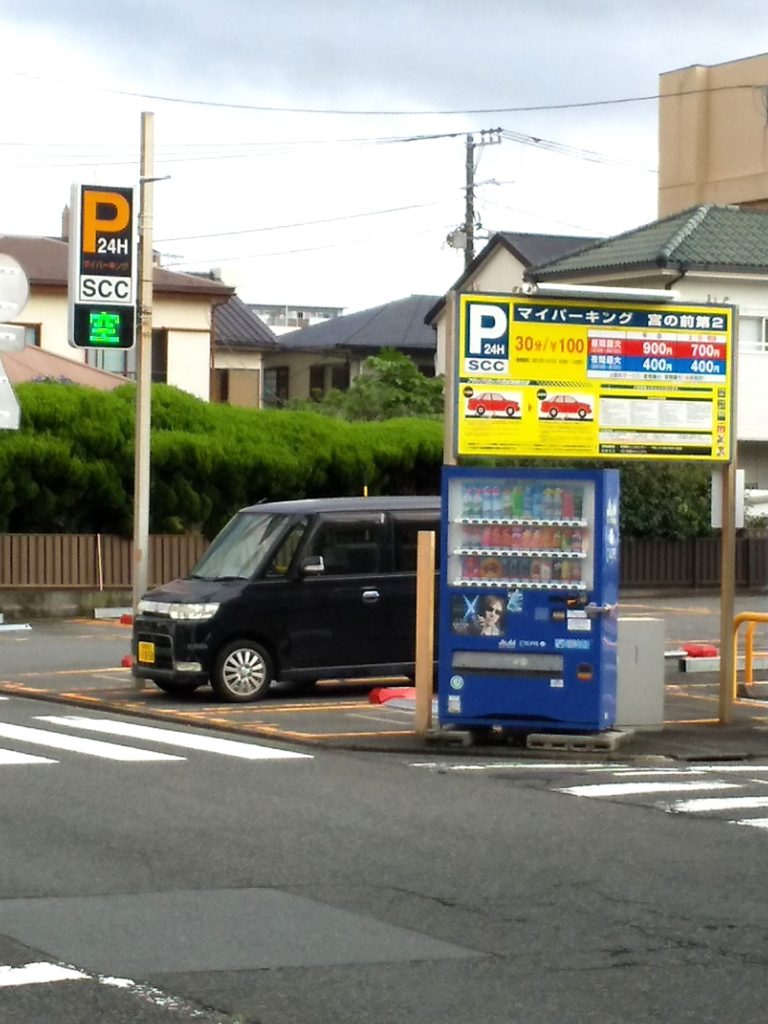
488,137
469,208
143,366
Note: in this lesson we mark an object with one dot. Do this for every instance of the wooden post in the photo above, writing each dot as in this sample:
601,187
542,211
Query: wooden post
425,630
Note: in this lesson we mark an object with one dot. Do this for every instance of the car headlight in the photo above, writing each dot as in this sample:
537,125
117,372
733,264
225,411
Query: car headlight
196,612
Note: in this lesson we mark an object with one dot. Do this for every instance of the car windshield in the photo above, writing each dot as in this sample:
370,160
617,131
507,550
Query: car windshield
241,548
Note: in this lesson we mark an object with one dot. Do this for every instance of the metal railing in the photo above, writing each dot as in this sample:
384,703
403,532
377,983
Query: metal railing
752,619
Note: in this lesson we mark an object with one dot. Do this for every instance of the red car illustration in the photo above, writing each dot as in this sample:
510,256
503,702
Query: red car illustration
565,405
493,403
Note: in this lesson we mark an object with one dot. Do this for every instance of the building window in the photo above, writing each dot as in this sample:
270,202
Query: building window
752,334
221,385
122,362
316,381
276,386
31,335
159,357
340,376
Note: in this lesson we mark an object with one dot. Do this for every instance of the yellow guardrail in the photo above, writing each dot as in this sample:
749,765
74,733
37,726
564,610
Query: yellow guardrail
752,619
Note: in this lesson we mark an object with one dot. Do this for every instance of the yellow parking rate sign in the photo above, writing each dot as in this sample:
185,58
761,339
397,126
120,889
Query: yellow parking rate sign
556,377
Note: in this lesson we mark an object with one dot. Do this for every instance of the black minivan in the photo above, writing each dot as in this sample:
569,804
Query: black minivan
291,590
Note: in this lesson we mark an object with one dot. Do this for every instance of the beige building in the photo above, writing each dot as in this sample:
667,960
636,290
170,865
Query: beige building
713,135
182,317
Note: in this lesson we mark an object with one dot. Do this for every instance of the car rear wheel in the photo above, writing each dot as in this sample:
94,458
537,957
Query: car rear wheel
242,672
553,413
480,410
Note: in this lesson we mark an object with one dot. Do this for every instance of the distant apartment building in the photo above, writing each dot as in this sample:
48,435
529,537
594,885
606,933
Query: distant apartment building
284,318
713,135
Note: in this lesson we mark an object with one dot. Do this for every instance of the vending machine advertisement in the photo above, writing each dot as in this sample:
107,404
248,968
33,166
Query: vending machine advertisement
528,602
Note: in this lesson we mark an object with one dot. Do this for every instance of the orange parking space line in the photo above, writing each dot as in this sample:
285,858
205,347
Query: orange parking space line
71,672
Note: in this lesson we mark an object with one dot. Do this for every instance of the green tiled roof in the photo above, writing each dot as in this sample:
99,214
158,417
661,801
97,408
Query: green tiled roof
703,238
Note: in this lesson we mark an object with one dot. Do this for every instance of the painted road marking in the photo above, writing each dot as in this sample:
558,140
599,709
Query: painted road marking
13,757
174,738
701,805
80,745
38,974
606,789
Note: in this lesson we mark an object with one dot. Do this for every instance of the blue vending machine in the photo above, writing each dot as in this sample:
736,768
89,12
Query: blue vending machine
528,597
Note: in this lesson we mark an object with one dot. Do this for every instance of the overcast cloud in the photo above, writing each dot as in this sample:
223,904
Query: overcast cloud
69,71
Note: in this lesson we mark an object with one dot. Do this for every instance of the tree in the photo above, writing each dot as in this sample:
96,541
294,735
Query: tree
389,386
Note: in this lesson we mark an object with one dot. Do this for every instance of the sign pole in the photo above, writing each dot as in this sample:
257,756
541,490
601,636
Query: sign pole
728,665
143,368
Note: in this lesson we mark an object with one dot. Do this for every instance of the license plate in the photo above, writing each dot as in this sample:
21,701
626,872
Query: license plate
146,652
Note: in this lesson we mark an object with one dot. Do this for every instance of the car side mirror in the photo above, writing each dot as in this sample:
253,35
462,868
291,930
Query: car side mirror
312,565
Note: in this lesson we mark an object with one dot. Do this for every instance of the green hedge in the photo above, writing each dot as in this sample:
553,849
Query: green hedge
70,467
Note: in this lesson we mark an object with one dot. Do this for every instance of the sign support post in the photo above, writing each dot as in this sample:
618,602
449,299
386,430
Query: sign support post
143,368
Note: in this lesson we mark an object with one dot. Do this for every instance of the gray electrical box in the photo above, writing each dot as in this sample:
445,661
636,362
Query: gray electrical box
640,667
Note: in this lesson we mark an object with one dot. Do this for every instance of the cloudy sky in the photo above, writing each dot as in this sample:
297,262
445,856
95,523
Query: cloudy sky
316,148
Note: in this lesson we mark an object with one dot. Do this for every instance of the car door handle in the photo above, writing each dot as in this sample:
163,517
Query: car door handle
370,596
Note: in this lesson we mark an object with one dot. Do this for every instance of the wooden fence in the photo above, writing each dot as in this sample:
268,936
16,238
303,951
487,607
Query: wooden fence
49,561
90,561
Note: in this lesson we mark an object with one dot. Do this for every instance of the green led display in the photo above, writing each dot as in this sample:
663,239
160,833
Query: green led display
103,327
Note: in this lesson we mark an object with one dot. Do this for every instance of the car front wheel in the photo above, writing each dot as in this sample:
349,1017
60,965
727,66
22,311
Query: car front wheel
242,672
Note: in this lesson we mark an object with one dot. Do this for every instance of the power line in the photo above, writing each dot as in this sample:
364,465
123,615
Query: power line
301,224
388,113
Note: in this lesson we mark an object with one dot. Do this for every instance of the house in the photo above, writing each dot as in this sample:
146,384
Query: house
182,317
311,361
707,253
241,341
498,268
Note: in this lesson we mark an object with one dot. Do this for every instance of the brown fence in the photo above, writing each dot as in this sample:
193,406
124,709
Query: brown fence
102,562
90,561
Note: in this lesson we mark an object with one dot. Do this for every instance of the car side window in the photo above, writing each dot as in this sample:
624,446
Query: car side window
406,527
281,561
349,546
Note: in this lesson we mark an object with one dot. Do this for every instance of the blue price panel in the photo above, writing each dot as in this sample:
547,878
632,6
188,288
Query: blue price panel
706,369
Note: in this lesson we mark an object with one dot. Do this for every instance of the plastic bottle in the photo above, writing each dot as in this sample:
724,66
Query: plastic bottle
578,503
567,503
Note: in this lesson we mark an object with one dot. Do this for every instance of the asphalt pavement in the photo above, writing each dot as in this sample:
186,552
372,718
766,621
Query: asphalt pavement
81,662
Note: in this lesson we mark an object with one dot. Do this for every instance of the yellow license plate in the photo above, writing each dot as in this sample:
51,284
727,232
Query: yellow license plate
146,652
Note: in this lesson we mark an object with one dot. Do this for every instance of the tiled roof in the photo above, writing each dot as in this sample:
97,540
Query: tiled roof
528,248
45,262
236,326
707,237
34,364
398,324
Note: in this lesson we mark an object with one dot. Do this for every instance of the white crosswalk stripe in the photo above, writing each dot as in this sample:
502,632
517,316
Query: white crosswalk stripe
640,785
607,789
64,733
81,745
633,784
174,738
15,757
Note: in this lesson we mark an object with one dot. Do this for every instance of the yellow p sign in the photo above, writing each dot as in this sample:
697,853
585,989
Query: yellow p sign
104,213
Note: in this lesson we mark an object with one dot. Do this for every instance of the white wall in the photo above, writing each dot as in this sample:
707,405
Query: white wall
189,361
